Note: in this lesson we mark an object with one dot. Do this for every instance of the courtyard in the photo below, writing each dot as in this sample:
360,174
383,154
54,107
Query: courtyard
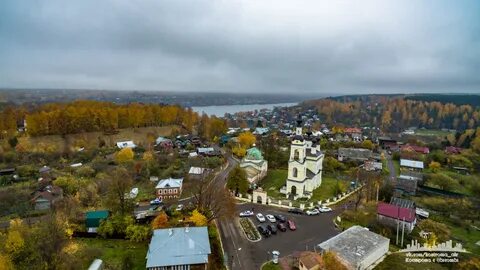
276,178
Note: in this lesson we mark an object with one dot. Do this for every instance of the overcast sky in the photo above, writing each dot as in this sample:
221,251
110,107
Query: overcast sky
247,46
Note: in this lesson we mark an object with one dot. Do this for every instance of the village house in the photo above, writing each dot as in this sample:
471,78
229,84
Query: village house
372,165
126,144
47,197
415,148
162,143
412,165
397,212
354,154
169,188
94,218
181,248
354,133
357,247
408,182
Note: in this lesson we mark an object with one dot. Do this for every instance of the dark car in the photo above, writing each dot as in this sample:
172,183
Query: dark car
296,211
272,228
280,218
263,230
282,227
291,225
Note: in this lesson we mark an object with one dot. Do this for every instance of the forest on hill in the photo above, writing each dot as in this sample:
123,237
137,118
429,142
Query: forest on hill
88,116
395,112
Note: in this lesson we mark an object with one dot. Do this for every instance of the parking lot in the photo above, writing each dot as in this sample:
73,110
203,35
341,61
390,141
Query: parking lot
310,231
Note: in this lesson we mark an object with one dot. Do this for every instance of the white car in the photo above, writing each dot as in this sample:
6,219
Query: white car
271,218
179,207
324,209
246,213
260,217
312,212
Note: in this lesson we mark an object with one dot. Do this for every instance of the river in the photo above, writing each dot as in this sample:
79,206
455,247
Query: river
221,110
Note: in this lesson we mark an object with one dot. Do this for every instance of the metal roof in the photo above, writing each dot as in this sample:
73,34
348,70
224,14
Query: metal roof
178,246
355,244
170,183
411,163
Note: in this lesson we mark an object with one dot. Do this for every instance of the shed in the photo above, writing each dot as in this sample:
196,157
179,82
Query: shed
93,218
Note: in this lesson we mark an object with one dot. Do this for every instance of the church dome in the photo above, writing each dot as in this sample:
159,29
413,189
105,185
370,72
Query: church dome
254,154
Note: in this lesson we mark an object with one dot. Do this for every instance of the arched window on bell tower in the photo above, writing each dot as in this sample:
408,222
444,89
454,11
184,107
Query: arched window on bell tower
296,155
295,172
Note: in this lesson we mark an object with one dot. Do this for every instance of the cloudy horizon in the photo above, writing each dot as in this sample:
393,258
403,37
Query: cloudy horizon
308,47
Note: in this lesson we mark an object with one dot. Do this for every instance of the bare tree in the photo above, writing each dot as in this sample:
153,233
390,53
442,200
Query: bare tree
212,199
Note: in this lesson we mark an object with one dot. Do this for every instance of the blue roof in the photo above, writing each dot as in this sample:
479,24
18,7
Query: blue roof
178,246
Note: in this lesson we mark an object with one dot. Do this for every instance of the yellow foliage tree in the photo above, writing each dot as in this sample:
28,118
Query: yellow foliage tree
198,218
160,221
434,166
124,155
15,242
5,262
239,151
246,139
148,156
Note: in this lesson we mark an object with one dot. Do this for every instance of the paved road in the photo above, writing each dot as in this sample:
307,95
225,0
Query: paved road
391,167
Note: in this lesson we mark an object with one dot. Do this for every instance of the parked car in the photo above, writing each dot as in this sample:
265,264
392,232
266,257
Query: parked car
280,218
247,213
324,209
272,228
179,207
282,227
312,212
271,218
296,211
291,225
156,201
260,217
263,230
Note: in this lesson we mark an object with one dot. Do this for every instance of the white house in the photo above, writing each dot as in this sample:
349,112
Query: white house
126,144
304,166
196,171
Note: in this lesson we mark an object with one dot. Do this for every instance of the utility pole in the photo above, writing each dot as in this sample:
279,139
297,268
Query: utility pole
403,231
398,223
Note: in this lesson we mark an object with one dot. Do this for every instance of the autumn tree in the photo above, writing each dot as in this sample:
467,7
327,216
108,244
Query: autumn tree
237,180
441,231
198,219
246,139
434,166
160,221
124,155
119,183
212,200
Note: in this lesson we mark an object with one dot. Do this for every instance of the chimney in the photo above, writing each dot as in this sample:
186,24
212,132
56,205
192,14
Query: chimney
186,229
170,232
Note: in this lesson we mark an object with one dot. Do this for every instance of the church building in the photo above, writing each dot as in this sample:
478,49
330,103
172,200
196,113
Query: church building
254,165
304,165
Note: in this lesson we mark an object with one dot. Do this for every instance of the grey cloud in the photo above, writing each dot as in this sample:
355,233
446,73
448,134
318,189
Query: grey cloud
410,46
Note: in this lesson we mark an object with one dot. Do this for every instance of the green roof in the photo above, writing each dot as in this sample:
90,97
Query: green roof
97,214
254,154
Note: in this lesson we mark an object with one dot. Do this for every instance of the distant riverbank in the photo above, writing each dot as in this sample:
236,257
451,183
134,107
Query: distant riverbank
220,111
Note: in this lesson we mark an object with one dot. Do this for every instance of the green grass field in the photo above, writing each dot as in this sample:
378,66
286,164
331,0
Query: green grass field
274,180
271,266
113,251
431,132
